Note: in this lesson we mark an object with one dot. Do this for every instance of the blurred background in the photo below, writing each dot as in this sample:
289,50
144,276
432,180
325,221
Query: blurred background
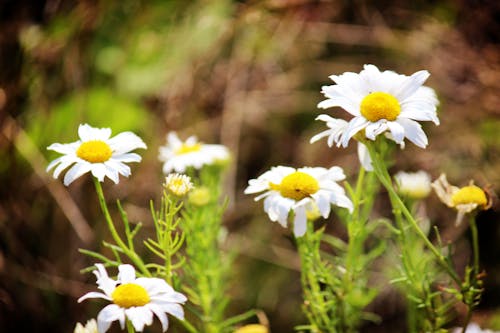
246,74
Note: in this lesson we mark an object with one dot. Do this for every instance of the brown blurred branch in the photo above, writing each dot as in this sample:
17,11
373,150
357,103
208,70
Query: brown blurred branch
23,143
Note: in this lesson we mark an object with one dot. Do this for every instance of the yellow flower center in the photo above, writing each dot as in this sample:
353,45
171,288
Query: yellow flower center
200,196
130,294
380,105
252,328
95,151
178,185
297,186
184,149
469,194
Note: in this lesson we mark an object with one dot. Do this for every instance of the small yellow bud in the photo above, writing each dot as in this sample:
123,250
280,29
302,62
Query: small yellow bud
200,196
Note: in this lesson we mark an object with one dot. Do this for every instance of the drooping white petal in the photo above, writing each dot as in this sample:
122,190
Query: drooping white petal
300,222
364,157
354,126
109,314
98,171
414,132
140,316
374,129
64,162
160,314
76,171
323,203
172,308
397,131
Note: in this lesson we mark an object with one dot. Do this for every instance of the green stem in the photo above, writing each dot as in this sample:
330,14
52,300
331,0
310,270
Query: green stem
475,265
190,328
475,244
130,327
384,177
131,254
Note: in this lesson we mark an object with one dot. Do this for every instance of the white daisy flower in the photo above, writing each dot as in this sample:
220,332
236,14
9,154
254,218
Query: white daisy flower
90,327
381,102
299,190
97,153
336,128
135,299
178,155
472,328
177,184
416,185
465,200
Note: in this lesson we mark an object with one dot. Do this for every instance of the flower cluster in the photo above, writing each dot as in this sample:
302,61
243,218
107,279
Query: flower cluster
379,103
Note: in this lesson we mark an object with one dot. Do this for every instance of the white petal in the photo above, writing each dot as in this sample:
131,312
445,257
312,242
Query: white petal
98,171
300,222
125,142
88,133
127,157
364,157
323,203
342,201
65,148
173,140
411,85
414,132
93,294
337,97
109,314
160,314
126,273
119,167
112,173
76,171
355,125
256,186
139,316
173,308
374,129
397,131
65,161
103,281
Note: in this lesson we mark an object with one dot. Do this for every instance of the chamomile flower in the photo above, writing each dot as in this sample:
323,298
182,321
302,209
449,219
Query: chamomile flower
177,184
465,199
300,190
97,153
90,327
179,155
135,299
252,328
472,328
382,102
336,128
415,185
